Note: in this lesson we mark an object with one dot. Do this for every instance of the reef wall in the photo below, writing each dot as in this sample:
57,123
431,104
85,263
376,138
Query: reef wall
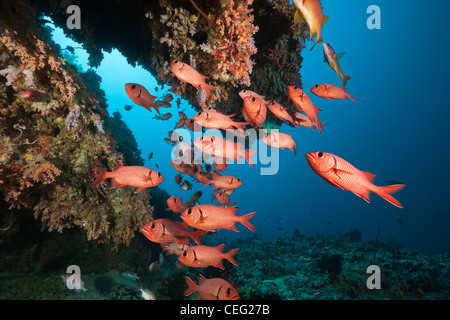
51,131
236,44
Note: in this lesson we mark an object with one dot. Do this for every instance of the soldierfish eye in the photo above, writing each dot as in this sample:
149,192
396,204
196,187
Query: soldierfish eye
320,154
189,211
316,86
228,291
253,99
184,253
198,114
175,61
159,174
153,226
133,86
295,88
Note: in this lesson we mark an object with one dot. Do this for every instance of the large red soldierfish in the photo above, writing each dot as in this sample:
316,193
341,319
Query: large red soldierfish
221,148
135,176
209,217
186,73
332,59
304,103
212,289
166,231
342,174
331,92
142,97
204,256
311,11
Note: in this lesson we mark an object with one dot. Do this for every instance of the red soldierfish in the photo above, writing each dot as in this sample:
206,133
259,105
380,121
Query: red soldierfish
304,103
186,73
280,140
204,256
212,289
222,197
254,111
175,248
332,58
176,204
343,175
329,91
249,93
210,218
225,182
135,176
279,111
221,148
142,97
212,119
311,11
166,231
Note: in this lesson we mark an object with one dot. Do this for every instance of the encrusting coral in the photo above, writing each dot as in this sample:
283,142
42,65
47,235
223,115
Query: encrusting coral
51,130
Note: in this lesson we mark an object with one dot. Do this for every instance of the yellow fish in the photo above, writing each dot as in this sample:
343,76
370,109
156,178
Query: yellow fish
311,11
332,58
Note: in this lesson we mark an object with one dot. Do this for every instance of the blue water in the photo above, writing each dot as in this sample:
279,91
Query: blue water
399,130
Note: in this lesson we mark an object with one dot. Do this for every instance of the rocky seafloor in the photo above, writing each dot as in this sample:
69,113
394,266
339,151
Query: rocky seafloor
295,267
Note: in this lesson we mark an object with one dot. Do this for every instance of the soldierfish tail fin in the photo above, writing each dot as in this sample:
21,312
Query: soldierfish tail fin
345,79
248,156
229,256
385,193
245,220
207,87
192,287
101,176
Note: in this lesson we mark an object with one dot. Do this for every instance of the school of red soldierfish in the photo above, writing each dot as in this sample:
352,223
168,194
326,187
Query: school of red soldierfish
206,218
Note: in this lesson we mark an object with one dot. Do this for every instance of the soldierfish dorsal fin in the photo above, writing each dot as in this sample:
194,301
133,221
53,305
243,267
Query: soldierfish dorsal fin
201,279
369,176
221,247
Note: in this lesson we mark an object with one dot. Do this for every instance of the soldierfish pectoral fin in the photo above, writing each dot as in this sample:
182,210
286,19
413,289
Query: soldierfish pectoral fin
325,20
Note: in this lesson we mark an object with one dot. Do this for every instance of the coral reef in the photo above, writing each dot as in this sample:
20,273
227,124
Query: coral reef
51,130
